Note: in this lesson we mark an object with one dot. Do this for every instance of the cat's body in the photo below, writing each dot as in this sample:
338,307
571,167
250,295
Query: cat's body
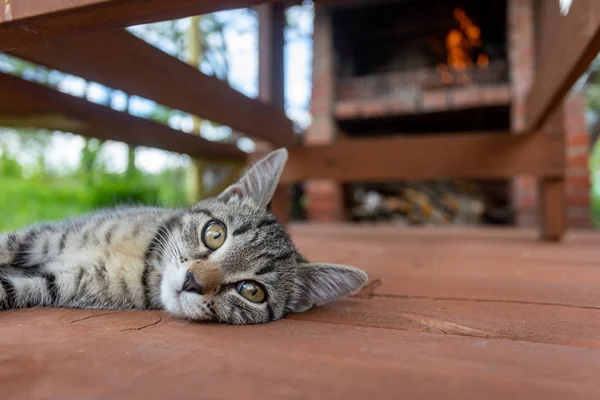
96,261
225,259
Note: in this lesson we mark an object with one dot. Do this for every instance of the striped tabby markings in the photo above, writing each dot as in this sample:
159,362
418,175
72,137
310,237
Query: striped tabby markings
266,222
202,211
271,312
22,255
109,232
51,287
63,240
9,294
242,229
77,283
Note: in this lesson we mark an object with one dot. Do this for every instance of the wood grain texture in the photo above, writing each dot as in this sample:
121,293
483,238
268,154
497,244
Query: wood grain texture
565,47
28,21
552,324
113,58
469,155
384,342
20,99
496,265
154,360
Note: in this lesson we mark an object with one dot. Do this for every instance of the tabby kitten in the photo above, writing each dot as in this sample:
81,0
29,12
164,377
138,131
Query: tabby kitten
225,259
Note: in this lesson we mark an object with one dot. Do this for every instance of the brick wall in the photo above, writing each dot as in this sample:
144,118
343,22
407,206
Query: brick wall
521,60
324,196
578,177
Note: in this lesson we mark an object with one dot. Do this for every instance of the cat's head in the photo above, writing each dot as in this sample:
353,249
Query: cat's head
228,259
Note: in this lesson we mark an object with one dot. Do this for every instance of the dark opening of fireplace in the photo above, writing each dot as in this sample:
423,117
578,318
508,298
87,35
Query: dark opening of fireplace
409,35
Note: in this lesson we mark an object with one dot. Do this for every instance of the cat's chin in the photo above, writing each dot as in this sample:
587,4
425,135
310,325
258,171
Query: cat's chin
181,304
192,307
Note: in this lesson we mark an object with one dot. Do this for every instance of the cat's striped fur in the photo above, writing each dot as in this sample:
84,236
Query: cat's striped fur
139,258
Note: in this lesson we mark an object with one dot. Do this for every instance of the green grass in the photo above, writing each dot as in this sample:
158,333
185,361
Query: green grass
25,202
28,201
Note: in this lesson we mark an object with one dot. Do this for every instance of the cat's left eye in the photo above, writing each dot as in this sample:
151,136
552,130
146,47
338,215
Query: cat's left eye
213,235
251,290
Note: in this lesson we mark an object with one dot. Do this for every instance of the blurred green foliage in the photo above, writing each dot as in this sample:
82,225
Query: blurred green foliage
594,168
592,92
42,198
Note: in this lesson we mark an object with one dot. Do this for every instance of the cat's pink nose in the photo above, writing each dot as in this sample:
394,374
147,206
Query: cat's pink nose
190,284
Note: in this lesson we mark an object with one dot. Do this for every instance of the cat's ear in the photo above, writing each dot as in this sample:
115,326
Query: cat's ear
260,181
317,284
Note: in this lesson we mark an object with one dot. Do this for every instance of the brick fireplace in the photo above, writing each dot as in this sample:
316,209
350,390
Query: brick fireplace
410,67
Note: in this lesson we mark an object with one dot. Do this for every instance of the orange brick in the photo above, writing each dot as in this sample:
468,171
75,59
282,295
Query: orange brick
579,139
578,181
578,161
577,171
578,200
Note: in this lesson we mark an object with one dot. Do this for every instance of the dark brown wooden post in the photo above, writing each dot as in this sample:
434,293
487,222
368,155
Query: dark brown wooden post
552,204
271,24
544,105
552,208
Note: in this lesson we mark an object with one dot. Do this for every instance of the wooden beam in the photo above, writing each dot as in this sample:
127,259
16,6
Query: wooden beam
28,21
566,45
20,99
271,25
271,84
469,155
120,60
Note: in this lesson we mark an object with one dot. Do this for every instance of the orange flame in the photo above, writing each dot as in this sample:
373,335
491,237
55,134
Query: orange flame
460,42
483,60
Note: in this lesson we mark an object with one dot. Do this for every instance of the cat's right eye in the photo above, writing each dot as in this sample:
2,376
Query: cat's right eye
213,235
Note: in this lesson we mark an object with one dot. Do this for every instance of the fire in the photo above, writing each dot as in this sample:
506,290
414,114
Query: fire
459,44
457,56
472,32
483,60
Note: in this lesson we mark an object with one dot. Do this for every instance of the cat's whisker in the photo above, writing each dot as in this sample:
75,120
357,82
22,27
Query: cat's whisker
169,249
165,251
